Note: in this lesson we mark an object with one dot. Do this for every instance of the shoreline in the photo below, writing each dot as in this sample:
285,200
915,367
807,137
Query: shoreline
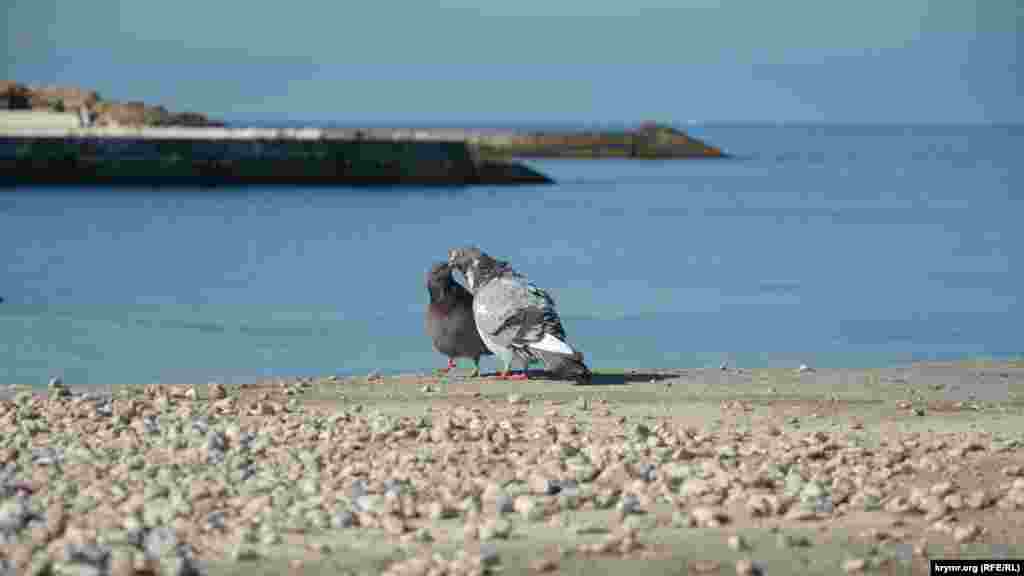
722,471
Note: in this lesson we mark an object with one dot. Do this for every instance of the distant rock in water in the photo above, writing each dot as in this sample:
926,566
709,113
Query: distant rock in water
650,140
16,96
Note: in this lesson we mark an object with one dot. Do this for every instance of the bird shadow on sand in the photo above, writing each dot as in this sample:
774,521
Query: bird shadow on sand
631,378
601,379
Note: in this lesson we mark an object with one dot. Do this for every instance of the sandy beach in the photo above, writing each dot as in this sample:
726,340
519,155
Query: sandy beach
691,471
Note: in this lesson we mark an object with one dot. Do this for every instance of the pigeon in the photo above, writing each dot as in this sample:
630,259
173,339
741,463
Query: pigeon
515,318
449,319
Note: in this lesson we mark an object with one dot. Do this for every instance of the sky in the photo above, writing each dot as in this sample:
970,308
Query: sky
597,62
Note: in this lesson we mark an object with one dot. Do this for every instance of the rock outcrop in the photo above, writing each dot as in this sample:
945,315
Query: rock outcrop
650,140
16,96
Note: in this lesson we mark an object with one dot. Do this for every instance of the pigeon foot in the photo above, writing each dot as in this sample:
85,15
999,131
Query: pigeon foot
509,376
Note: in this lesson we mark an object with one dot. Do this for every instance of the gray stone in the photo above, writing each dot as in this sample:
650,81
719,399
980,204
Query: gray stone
92,554
149,423
648,472
368,502
488,554
215,520
568,486
392,486
178,566
14,514
629,504
343,519
358,489
160,542
45,456
201,425
504,504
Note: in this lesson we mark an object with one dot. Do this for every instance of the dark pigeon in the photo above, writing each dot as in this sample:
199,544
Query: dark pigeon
515,318
449,319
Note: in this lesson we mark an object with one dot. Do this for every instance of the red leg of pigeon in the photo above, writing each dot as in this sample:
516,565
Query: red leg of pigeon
451,364
525,375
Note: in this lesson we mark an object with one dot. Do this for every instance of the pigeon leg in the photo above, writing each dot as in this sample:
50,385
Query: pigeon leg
525,375
476,368
506,374
446,369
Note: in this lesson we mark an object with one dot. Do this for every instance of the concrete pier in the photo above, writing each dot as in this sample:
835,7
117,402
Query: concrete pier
48,155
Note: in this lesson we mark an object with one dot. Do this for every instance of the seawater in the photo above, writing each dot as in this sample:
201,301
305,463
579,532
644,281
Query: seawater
826,245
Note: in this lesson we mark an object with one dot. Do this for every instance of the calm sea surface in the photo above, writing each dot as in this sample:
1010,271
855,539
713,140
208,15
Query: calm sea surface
826,245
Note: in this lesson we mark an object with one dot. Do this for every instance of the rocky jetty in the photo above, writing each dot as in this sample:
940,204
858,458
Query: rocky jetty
650,140
17,96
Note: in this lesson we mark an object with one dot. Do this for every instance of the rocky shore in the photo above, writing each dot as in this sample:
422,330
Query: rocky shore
102,112
718,471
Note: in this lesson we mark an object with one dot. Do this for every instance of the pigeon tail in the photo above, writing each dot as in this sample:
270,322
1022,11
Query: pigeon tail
569,367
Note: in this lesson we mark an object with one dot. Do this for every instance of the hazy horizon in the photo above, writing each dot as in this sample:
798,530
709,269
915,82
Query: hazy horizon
575,63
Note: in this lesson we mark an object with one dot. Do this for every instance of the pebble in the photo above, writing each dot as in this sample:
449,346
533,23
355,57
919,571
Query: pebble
14,514
545,564
1014,470
629,504
216,391
160,541
854,565
942,489
516,399
709,517
542,485
801,514
496,528
785,541
705,566
966,533
747,567
978,500
737,543
528,508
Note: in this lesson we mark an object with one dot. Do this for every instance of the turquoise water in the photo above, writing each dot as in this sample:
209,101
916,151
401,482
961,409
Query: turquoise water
825,245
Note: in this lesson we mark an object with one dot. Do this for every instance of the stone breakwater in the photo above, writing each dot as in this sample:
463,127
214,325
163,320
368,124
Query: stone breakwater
240,156
188,479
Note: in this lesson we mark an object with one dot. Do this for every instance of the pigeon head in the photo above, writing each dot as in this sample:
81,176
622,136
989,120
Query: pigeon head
439,281
475,265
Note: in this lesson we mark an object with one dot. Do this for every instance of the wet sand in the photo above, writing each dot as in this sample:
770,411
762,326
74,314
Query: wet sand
696,471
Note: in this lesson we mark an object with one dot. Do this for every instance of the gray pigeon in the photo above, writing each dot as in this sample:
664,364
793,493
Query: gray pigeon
515,318
449,319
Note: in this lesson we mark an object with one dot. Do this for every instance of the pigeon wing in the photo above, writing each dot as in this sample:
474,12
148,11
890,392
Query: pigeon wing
514,313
